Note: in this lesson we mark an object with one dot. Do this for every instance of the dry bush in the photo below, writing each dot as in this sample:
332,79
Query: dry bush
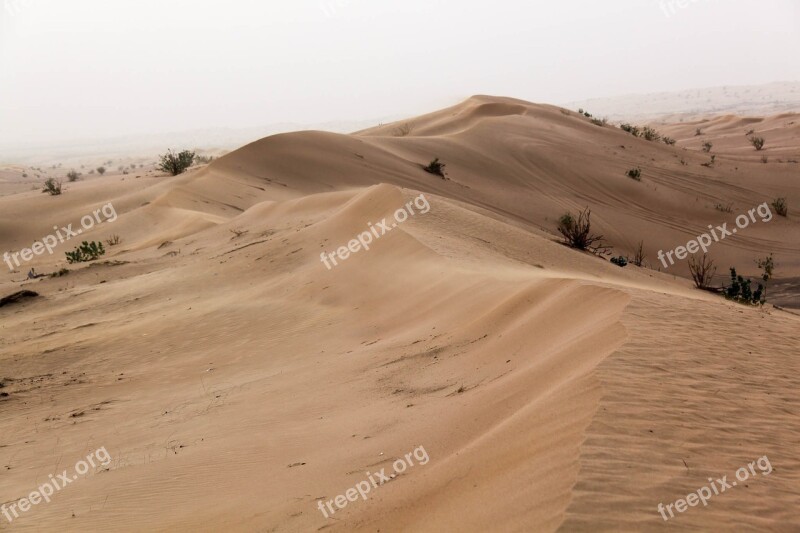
577,232
638,256
702,271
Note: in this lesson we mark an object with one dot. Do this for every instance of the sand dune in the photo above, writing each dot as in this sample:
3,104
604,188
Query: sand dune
237,382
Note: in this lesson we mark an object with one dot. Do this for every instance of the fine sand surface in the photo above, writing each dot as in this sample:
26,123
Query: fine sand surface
236,381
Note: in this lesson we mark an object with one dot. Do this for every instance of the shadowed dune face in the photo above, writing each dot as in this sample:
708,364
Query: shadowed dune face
238,383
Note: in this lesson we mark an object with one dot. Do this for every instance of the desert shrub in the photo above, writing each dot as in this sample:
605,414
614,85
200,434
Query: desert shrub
780,206
702,271
757,142
707,146
175,164
620,261
113,240
741,291
60,273
599,122
725,208
200,159
73,176
87,251
435,167
577,232
650,134
52,186
24,174
749,133
635,173
638,256
101,170
698,132
710,163
633,130
669,140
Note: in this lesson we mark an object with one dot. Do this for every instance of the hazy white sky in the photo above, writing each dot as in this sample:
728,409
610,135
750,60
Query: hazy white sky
96,68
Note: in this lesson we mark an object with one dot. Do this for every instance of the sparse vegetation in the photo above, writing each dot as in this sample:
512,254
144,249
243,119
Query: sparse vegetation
52,186
87,251
633,130
724,208
669,140
200,159
73,176
113,240
175,164
698,132
749,133
436,167
702,271
403,130
60,273
764,159
101,170
599,122
707,146
710,163
780,206
577,232
757,142
635,173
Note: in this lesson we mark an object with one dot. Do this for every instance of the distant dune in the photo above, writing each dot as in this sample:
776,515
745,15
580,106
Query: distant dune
238,383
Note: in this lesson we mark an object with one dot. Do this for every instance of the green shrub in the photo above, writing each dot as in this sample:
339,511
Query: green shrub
435,167
741,291
175,164
87,251
635,173
633,130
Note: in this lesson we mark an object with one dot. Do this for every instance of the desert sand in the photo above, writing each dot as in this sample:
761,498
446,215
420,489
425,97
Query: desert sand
236,381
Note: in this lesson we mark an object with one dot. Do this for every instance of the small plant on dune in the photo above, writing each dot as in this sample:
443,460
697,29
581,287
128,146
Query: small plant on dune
73,176
669,140
725,208
52,186
635,173
101,170
702,271
87,251
60,273
577,232
113,240
200,159
175,164
767,266
600,122
710,163
758,143
748,133
620,261
638,256
780,206
435,167
707,146
698,132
